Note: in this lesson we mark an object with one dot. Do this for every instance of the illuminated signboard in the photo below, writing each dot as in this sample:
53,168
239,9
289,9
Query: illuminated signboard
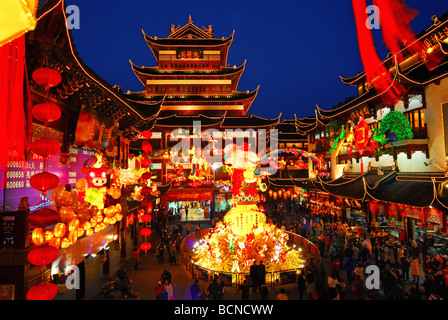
18,179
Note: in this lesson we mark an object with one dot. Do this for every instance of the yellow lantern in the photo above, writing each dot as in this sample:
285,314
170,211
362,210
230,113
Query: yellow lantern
81,184
55,242
60,229
65,243
73,225
49,235
89,232
80,232
67,214
18,17
270,193
86,225
118,216
274,195
280,192
115,192
73,236
38,236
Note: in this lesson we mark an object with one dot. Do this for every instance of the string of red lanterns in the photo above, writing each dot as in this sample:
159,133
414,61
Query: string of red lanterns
42,255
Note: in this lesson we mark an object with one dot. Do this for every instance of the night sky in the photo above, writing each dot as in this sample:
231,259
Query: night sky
295,50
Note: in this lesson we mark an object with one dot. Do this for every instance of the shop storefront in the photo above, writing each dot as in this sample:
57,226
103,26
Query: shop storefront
188,204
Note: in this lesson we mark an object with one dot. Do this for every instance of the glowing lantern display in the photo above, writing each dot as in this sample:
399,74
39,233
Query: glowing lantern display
146,204
46,112
146,232
44,181
45,147
47,77
145,246
146,146
38,236
42,291
146,218
64,195
59,230
147,134
43,217
41,256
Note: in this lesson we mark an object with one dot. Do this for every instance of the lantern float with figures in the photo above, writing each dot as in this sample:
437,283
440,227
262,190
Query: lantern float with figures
244,236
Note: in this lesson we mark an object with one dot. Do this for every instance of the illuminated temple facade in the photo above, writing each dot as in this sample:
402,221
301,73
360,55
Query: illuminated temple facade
193,83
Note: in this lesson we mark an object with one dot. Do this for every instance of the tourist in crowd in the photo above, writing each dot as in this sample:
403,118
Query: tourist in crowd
415,270
195,290
282,295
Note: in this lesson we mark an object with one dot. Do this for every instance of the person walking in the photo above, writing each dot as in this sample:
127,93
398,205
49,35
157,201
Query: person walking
405,264
195,290
169,290
301,285
160,252
253,272
173,253
213,289
282,295
160,290
136,255
415,270
245,288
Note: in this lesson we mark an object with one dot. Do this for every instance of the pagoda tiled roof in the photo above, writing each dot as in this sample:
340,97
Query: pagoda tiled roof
249,121
185,42
234,96
154,71
224,121
175,120
308,124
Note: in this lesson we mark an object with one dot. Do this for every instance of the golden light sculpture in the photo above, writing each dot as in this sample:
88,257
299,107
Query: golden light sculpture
244,236
16,18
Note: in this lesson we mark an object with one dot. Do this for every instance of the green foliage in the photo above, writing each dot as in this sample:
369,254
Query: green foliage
397,122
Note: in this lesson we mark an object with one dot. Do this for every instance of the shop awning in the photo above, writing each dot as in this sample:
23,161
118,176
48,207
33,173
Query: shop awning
188,195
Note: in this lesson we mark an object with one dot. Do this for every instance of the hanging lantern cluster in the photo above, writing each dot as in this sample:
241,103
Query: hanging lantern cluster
45,147
283,193
146,231
147,148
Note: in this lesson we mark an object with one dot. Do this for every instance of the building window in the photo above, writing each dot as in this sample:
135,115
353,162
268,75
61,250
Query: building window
417,118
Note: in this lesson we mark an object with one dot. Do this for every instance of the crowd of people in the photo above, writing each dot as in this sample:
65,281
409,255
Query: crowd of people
408,269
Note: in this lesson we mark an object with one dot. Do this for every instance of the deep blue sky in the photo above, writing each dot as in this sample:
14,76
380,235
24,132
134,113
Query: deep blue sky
295,50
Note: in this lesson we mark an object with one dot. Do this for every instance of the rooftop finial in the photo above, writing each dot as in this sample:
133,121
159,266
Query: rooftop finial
189,18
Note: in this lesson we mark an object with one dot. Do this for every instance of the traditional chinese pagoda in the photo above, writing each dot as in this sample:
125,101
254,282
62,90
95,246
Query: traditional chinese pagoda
194,82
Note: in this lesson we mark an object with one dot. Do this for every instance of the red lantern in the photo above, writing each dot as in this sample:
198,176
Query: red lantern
147,134
146,203
146,218
146,175
145,246
145,190
47,77
146,163
41,256
46,112
45,147
146,232
146,146
43,217
42,291
44,181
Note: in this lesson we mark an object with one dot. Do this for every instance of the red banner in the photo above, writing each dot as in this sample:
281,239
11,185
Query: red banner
188,195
